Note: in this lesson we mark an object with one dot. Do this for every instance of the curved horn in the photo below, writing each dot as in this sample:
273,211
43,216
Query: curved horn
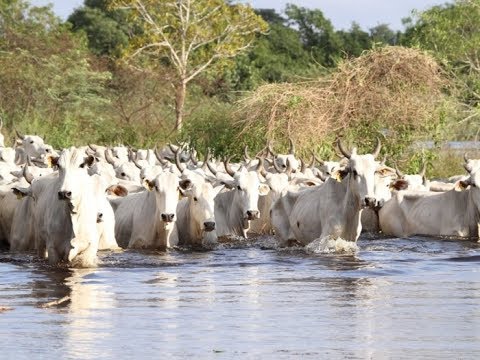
205,160
321,176
246,156
318,160
424,169
289,168
27,174
172,147
260,167
303,166
159,157
109,157
137,164
20,136
228,169
180,167
192,158
275,165
378,147
211,168
292,146
1,123
29,161
93,147
465,158
345,152
399,173
269,149
312,162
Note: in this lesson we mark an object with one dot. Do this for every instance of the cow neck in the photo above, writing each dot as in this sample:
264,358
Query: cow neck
352,211
472,214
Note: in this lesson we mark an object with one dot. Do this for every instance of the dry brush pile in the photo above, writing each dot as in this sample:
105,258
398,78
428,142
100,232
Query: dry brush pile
396,91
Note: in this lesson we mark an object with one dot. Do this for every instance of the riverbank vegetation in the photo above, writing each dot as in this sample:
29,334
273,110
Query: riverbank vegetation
113,74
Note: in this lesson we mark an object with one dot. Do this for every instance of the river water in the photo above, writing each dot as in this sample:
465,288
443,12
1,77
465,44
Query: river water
393,298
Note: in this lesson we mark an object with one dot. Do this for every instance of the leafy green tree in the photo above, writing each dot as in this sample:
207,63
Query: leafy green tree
48,84
355,41
317,34
189,36
382,34
107,31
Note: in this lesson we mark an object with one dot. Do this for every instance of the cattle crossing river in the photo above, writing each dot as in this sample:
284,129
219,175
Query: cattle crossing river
392,299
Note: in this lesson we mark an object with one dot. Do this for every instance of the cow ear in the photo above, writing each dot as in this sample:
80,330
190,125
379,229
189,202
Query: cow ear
461,185
88,161
185,184
399,184
52,161
149,185
263,189
386,171
22,192
228,184
340,174
118,190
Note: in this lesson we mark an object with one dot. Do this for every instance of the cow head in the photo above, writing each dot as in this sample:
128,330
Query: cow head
72,171
165,186
473,168
361,170
201,195
34,146
248,188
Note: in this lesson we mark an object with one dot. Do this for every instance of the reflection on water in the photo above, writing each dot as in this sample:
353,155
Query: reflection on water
391,299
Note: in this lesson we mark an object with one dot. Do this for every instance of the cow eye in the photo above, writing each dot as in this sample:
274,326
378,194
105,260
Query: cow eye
31,141
239,188
355,173
47,150
195,199
122,174
82,165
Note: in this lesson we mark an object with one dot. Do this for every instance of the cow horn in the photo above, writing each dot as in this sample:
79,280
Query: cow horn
345,153
228,169
465,157
159,157
93,147
399,173
269,149
205,160
303,167
211,168
180,167
137,164
378,147
424,169
1,123
20,136
292,146
312,162
172,147
192,157
321,176
260,167
318,160
289,168
29,160
27,174
246,156
109,157
275,165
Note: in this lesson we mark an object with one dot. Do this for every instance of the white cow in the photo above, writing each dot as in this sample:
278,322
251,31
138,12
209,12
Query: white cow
235,209
450,213
66,214
147,219
34,147
331,210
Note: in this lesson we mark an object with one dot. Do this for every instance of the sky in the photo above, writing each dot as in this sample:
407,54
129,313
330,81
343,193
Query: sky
367,13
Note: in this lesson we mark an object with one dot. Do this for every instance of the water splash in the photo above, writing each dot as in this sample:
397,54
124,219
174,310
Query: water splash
328,246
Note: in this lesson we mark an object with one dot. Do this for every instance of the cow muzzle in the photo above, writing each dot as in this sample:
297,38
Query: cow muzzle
65,195
209,225
168,218
253,214
369,202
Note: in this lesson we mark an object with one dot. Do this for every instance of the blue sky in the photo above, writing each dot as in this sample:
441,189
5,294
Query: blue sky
368,13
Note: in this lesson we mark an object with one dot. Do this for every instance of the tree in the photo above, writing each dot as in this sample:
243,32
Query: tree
190,36
452,34
107,31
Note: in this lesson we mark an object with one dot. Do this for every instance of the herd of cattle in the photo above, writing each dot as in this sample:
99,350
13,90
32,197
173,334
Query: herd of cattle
69,204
